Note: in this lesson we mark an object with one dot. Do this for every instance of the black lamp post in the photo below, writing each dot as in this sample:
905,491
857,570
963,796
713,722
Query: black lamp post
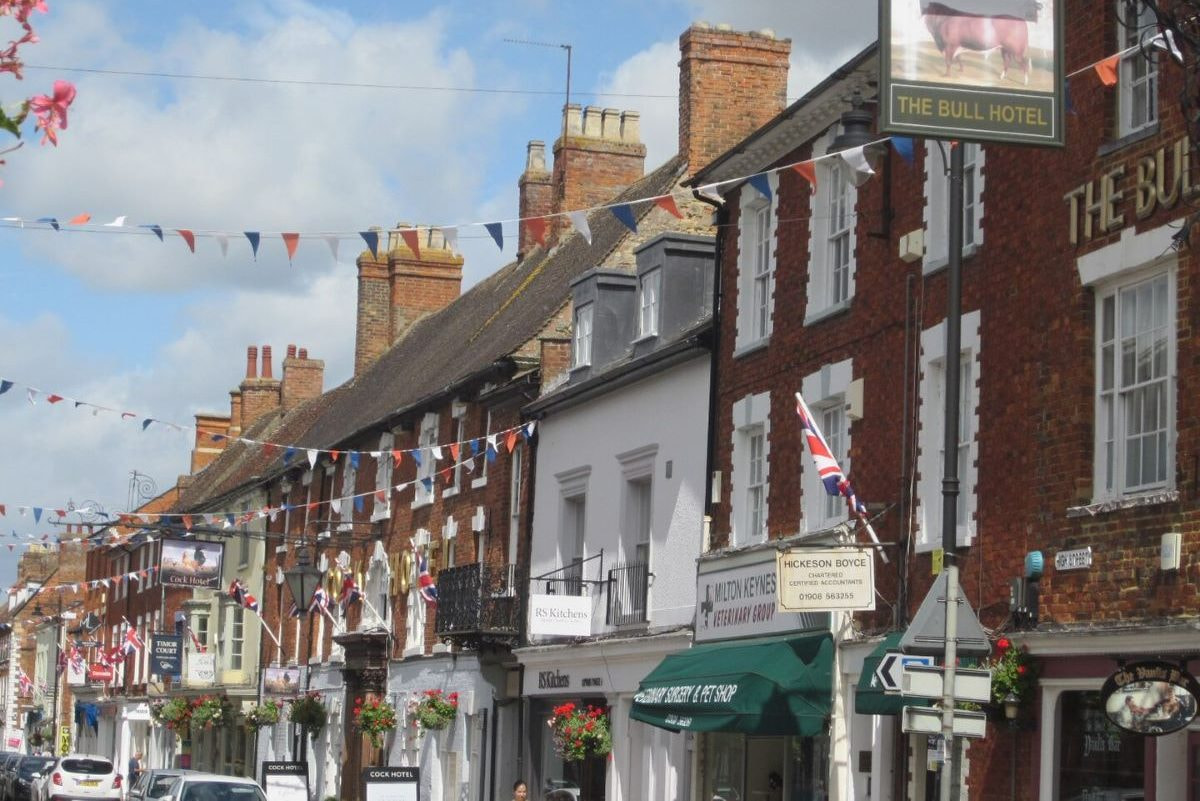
303,581
856,126
1012,708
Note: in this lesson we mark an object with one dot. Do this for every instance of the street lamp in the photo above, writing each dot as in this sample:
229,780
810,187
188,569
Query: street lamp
303,581
1012,708
856,126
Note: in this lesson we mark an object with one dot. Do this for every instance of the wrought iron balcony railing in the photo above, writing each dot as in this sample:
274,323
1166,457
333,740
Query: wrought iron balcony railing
479,603
628,589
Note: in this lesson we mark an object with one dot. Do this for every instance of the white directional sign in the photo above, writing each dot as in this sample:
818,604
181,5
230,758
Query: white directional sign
928,720
923,681
891,669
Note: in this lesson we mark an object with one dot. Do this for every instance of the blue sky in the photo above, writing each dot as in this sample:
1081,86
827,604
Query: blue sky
125,321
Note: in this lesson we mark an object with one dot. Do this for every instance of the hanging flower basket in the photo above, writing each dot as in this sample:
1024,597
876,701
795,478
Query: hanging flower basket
212,711
374,718
579,732
309,713
1013,671
174,713
264,714
433,710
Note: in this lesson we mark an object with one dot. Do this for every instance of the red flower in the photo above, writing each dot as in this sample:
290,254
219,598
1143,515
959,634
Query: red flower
1021,669
1003,644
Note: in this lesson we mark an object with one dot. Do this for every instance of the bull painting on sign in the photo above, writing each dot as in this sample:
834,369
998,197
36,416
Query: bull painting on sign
982,70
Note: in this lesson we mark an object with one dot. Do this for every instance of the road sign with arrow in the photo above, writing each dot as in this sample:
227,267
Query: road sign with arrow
891,669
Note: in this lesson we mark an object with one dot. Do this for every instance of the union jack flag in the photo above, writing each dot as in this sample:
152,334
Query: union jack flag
239,593
133,643
350,592
25,682
827,467
320,601
425,583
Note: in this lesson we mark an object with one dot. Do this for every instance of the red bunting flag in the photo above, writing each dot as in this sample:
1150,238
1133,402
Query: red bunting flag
454,451
807,171
380,496
667,202
446,473
1107,69
291,241
80,219
2,510
312,507
511,440
127,415
396,457
536,226
188,237
413,240
333,455
60,512
53,398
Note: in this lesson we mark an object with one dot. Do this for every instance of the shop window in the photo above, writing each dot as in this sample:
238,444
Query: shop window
739,767
1097,761
724,766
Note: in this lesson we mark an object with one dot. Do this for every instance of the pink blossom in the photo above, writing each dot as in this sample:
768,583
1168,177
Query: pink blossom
52,111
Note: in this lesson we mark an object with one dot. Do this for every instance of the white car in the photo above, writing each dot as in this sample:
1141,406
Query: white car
79,777
213,787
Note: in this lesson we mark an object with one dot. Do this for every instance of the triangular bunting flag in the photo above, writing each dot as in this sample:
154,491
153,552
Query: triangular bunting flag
454,448
446,474
335,505
451,237
290,241
37,514
396,456
53,223
52,399
808,171
667,202
354,459
188,237
436,450
1107,69
372,240
223,243
762,184
312,458
580,221
254,237
416,457
332,241
146,423
511,441
529,428
536,226
333,455
497,232
427,483
119,222
380,496
80,219
412,239
157,229
904,146
358,503
856,160
624,213
5,386
288,453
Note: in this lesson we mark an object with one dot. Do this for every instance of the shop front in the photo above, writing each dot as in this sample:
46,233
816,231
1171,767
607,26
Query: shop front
560,681
756,688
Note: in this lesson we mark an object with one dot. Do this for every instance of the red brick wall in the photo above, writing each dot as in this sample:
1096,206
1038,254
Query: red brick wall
303,379
206,449
535,193
730,84
373,327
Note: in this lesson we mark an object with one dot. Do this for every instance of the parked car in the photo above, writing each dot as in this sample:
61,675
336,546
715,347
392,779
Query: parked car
154,783
18,781
214,787
79,777
7,758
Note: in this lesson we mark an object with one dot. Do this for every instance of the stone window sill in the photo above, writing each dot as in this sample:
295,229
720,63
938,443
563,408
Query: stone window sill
1118,504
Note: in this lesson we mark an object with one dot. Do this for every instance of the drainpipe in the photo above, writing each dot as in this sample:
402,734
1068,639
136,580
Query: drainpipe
714,357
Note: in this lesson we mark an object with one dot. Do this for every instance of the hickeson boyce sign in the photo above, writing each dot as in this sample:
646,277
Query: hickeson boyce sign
978,70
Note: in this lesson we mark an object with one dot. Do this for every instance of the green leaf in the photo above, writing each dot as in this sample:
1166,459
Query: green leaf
9,124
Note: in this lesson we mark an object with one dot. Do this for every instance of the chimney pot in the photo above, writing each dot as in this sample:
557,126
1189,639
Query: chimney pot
291,351
611,124
591,122
304,353
252,362
266,364
767,33
574,120
535,156
631,127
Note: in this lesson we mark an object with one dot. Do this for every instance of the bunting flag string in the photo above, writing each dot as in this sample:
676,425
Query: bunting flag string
495,444
290,450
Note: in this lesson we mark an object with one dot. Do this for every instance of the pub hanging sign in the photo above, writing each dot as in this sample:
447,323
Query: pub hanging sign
1150,698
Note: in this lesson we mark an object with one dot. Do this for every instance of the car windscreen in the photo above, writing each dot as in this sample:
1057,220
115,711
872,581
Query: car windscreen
91,766
161,786
222,791
28,767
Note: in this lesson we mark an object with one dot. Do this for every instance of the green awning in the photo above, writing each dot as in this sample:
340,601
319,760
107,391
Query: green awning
869,697
772,685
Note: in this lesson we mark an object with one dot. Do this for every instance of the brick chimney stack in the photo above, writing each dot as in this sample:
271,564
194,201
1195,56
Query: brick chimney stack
730,84
303,378
260,395
399,288
600,155
536,192
235,412
206,449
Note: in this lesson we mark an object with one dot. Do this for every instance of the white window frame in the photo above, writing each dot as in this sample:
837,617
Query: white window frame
751,419
649,302
581,340
514,504
758,222
834,182
1137,83
1110,475
383,478
237,644
426,439
823,391
414,623
449,540
458,416
483,468
931,438
572,489
349,489
936,214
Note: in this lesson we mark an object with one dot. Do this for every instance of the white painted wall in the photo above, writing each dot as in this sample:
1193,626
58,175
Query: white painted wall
668,410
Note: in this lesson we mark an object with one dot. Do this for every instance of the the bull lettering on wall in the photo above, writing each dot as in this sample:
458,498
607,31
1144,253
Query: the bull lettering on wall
1153,181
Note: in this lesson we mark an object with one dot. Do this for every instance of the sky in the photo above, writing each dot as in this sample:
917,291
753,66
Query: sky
433,130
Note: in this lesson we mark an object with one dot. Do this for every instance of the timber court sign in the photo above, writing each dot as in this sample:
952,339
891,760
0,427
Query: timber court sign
978,70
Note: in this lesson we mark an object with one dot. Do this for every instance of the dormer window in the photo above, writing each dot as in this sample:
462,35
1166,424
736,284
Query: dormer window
583,336
649,287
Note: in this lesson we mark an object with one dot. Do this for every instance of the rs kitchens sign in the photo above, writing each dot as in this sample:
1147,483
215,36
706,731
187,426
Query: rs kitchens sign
736,597
556,681
560,615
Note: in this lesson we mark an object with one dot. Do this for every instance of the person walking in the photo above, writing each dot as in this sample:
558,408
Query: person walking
135,767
